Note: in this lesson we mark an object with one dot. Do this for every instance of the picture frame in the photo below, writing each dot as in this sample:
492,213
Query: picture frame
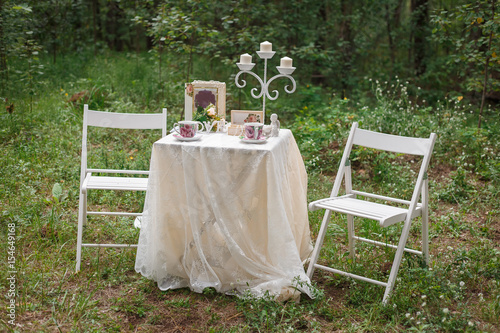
198,93
240,117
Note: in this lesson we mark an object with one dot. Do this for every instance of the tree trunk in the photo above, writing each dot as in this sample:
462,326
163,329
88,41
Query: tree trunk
420,13
94,24
137,35
486,64
160,51
54,48
347,48
54,21
392,50
393,24
4,74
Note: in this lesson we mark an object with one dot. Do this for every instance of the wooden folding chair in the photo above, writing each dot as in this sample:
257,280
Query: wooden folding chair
385,214
88,181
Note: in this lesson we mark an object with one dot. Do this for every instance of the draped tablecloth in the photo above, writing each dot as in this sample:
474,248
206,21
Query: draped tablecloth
226,214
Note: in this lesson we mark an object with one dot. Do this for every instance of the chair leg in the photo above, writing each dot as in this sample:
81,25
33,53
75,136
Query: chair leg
397,261
350,218
350,236
425,221
82,217
425,235
319,243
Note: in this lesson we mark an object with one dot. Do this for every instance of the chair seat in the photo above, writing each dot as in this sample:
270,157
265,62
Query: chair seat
385,214
116,183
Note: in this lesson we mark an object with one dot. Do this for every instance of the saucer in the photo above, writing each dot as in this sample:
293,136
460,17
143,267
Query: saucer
194,138
261,140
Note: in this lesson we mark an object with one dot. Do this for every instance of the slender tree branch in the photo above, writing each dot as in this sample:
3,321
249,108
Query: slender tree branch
487,61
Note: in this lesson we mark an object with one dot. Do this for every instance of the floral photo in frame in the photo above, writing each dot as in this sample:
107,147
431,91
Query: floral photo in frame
240,117
198,95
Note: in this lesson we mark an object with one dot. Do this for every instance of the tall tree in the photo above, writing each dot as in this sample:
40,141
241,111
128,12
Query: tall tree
95,23
392,17
420,14
347,43
487,50
3,47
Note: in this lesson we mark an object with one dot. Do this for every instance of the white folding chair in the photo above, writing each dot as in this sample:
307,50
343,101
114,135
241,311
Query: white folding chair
89,181
385,214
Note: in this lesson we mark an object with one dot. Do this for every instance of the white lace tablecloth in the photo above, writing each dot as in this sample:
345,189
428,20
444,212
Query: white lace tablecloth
226,214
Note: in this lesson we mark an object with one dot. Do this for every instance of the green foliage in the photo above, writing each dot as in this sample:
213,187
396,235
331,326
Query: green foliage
180,303
178,30
337,44
17,41
40,180
458,190
272,316
475,52
134,306
476,21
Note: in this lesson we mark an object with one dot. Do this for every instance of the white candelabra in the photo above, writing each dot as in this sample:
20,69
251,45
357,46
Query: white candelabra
285,69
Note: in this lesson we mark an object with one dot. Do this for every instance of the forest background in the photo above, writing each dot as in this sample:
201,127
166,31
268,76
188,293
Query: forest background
407,67
446,48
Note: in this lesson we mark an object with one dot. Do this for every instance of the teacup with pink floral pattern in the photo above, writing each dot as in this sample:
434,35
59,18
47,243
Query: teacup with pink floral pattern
253,131
188,128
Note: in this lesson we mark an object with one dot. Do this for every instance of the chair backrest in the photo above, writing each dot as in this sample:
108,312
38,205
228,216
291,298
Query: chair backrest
125,120
393,143
119,120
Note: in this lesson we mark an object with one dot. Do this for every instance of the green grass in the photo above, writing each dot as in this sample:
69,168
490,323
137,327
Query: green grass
459,291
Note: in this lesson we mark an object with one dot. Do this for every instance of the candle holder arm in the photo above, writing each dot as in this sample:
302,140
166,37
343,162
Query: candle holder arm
244,83
275,92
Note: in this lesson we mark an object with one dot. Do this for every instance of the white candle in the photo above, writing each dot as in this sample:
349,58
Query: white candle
246,58
286,62
266,47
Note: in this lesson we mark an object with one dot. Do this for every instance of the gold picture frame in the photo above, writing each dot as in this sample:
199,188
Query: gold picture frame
199,93
240,117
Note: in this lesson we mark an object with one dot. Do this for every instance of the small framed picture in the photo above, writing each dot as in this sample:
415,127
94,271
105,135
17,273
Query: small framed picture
200,94
240,117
